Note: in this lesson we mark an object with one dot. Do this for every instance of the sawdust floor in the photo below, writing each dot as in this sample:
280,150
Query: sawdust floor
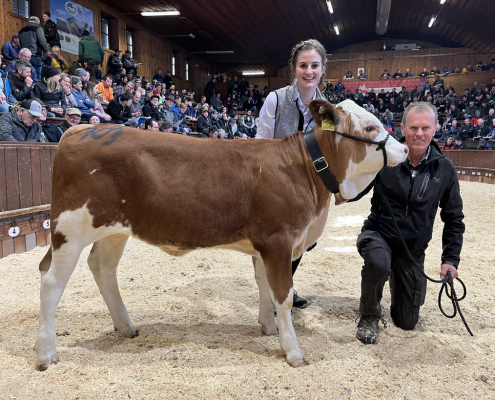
197,316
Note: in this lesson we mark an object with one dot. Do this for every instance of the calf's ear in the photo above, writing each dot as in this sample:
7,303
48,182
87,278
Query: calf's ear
325,114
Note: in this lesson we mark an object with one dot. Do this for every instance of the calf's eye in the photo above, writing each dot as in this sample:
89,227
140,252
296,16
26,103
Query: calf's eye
369,128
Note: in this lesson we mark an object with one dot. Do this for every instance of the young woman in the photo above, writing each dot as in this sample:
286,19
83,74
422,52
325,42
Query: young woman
286,110
50,92
66,83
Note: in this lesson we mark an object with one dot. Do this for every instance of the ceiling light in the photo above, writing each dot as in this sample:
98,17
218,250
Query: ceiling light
442,1
159,13
174,36
220,52
254,73
336,29
329,5
432,20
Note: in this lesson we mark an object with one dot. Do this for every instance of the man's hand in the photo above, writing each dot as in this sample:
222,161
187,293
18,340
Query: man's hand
448,268
29,81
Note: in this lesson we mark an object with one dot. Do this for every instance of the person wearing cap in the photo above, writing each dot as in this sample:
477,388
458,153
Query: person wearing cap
50,92
90,51
204,122
51,31
84,75
167,109
20,125
72,118
166,126
483,145
21,84
10,50
105,89
115,62
151,109
127,62
33,38
51,131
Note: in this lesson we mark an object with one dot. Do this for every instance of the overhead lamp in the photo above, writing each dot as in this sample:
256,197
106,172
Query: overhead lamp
336,29
254,73
159,13
432,21
220,52
173,36
442,1
329,5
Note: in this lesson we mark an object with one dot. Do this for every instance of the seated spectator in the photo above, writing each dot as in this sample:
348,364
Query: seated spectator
459,144
449,144
480,66
177,103
339,88
105,89
424,73
398,74
439,133
214,133
408,73
94,120
362,75
385,75
223,122
435,71
466,132
137,105
182,127
480,130
204,123
491,134
483,145
24,55
20,125
152,110
50,92
216,101
451,128
491,65
120,108
445,71
97,110
248,122
58,61
21,84
72,118
158,76
440,104
169,113
470,109
166,125
476,118
369,107
82,100
348,75
151,125
484,109
4,105
52,132
66,83
83,75
249,105
10,50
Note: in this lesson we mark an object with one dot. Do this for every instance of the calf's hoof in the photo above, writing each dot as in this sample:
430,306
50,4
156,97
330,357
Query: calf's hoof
269,331
43,364
298,363
127,332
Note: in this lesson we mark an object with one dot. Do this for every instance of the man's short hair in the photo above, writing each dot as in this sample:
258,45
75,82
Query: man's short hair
125,96
155,96
149,122
108,76
25,50
22,65
419,106
34,19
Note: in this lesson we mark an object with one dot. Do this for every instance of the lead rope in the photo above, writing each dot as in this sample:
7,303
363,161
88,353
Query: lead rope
446,280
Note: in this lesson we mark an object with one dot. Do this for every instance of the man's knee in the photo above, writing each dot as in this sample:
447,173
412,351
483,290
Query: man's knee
376,267
405,317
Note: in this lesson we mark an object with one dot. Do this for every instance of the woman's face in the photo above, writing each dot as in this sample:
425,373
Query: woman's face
95,89
56,78
309,69
65,82
449,141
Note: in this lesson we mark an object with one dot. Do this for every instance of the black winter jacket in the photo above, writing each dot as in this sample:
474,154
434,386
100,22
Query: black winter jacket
53,99
19,90
51,33
119,113
415,204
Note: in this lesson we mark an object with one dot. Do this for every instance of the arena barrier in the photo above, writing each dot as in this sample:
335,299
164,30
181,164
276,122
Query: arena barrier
26,189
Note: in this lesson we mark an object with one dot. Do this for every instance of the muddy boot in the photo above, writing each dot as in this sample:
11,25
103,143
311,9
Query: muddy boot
367,329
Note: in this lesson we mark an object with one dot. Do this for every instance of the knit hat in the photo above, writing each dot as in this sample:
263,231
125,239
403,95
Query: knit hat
49,72
80,72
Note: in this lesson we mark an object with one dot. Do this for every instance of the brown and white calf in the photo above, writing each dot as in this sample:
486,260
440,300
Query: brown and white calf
112,182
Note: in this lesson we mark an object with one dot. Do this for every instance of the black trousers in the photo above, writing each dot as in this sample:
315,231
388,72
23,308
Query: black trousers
295,263
381,264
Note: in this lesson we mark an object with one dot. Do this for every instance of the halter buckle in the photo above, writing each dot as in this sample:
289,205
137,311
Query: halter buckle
320,168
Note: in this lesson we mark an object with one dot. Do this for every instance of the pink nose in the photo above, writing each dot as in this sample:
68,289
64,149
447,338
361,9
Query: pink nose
406,150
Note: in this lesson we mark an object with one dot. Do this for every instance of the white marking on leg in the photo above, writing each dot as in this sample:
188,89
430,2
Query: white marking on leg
265,316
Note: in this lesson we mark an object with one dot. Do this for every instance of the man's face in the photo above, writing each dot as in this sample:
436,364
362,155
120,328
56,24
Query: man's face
178,100
45,17
85,78
15,41
154,101
129,88
108,82
154,126
467,121
78,86
73,119
25,56
56,51
137,97
169,103
418,130
126,103
26,118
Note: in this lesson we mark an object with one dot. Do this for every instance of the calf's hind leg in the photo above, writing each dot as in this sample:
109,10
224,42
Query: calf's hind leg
265,316
103,261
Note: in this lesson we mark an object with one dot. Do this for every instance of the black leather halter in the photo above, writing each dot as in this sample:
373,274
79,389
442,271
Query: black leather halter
320,163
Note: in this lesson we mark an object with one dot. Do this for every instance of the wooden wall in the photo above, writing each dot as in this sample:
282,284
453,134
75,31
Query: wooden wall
152,51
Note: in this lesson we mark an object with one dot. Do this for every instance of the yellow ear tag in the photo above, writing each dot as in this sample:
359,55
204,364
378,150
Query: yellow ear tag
328,125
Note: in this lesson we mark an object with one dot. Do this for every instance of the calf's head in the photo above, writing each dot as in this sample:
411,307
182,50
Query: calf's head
354,163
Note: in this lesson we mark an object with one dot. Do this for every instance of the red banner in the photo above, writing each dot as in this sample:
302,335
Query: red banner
387,84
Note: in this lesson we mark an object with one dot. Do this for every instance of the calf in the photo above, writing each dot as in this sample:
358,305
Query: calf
113,182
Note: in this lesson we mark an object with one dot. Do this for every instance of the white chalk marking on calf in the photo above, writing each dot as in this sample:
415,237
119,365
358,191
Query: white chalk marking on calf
259,171
351,220
92,172
122,201
346,249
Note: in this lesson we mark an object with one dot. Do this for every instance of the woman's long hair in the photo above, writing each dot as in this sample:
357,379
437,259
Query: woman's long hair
90,91
51,85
